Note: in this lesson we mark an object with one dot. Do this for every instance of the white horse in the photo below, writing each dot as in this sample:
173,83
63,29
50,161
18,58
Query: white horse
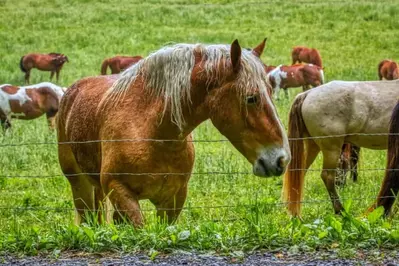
353,112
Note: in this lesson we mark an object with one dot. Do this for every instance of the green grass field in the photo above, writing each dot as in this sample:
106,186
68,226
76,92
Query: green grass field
225,212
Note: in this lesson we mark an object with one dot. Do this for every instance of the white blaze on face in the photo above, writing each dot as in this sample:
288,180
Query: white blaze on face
21,96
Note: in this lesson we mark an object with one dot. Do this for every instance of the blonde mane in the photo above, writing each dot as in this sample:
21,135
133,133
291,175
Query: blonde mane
167,74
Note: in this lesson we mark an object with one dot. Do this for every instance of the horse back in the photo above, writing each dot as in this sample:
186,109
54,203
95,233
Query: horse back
340,107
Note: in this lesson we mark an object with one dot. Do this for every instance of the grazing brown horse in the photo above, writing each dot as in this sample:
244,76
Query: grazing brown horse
304,54
388,69
156,104
323,119
118,63
390,185
349,162
305,75
29,102
46,62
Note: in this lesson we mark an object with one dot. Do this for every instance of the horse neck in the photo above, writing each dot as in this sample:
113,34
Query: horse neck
194,112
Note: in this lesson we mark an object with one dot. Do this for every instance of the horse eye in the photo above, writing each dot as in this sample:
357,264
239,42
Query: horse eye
252,99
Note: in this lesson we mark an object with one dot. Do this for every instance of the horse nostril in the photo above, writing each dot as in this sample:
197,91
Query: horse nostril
282,162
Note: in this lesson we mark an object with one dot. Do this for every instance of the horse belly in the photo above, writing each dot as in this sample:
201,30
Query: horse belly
171,170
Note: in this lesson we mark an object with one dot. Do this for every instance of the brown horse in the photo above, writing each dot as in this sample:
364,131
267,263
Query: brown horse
390,185
388,69
156,104
118,63
46,62
308,55
349,162
323,119
305,75
29,102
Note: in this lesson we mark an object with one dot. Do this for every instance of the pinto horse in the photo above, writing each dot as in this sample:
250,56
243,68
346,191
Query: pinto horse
157,103
390,185
29,102
349,111
307,55
46,62
388,69
305,75
118,63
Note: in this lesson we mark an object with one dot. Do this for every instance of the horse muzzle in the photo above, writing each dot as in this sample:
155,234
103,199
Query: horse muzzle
271,162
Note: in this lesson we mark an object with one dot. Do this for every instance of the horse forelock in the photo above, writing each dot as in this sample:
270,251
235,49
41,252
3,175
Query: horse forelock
167,73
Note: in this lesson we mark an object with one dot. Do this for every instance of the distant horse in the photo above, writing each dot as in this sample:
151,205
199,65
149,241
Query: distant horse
269,68
304,54
46,62
390,185
118,63
164,97
341,109
305,75
388,69
349,162
29,102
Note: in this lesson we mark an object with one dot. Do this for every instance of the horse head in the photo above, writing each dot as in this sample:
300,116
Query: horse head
242,110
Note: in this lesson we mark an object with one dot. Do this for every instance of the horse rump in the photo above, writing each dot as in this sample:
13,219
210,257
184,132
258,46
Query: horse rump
390,185
104,66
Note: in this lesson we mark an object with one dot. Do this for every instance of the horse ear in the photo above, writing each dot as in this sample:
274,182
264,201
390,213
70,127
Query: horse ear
258,50
235,55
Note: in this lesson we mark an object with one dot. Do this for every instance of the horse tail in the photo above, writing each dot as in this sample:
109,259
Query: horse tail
294,178
379,68
104,66
21,64
390,185
321,71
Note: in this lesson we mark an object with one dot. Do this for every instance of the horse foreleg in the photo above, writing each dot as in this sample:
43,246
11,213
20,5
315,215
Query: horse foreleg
51,119
57,74
27,76
286,93
169,210
124,201
330,161
5,124
276,93
52,75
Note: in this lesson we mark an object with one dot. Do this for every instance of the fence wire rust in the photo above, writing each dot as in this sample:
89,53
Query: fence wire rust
280,203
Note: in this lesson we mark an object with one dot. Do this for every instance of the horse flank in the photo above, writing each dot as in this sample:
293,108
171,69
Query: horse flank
167,74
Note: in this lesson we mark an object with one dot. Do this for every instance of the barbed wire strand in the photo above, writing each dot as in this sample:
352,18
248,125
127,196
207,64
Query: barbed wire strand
259,204
194,173
183,140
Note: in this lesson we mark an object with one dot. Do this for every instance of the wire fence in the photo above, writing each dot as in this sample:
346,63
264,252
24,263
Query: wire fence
184,140
213,173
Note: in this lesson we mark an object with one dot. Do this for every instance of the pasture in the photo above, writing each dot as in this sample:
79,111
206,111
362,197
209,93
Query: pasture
228,209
